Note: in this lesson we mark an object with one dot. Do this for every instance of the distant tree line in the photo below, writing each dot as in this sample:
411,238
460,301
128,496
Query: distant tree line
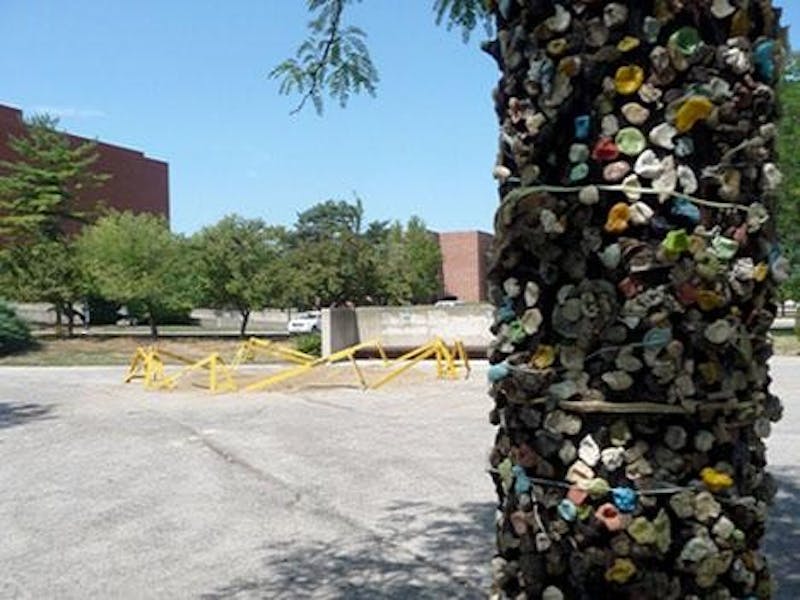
329,257
788,215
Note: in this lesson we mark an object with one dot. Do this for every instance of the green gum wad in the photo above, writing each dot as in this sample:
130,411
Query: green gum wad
686,40
724,248
708,266
676,242
642,531
516,332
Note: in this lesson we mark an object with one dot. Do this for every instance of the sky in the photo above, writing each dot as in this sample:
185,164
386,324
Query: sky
185,81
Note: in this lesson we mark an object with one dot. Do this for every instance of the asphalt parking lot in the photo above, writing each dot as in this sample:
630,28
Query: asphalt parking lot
109,491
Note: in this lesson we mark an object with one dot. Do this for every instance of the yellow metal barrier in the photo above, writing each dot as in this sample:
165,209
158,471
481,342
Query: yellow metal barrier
220,376
247,351
148,363
447,361
463,357
346,354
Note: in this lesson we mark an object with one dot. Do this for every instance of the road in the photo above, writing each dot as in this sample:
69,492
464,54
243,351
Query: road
107,491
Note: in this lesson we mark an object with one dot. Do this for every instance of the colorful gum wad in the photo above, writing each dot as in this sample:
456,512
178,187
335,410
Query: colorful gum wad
676,242
544,357
696,108
716,481
628,79
609,515
605,150
618,218
621,571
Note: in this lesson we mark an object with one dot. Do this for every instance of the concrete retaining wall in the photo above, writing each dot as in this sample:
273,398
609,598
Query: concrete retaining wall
406,326
269,319
35,313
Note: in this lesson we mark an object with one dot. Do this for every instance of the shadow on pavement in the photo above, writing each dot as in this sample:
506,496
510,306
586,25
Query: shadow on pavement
422,552
783,534
446,553
17,413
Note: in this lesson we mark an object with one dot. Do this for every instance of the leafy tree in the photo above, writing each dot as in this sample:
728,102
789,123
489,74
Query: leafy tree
409,264
334,57
333,259
40,196
45,271
791,73
135,260
242,265
788,214
330,219
395,284
40,192
423,260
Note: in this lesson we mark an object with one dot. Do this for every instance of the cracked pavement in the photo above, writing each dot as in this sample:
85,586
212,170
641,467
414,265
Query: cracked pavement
108,491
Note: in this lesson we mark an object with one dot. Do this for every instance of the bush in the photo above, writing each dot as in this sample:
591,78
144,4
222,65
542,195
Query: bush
14,332
165,316
102,311
310,343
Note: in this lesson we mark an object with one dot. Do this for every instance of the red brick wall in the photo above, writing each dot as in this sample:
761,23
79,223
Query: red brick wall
464,264
137,183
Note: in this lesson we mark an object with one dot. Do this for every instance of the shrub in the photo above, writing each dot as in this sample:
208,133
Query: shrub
310,343
14,332
102,311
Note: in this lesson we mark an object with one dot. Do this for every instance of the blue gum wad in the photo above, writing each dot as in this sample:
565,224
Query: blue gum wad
625,499
683,208
505,312
522,484
658,337
764,59
567,510
498,372
583,124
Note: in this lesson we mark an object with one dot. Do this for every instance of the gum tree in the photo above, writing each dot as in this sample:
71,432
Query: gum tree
635,280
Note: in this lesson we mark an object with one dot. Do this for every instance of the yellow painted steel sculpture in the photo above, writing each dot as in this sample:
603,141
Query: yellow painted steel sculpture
150,364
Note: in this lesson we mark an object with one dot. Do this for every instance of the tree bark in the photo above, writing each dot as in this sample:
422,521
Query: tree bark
151,318
243,326
70,310
629,369
59,322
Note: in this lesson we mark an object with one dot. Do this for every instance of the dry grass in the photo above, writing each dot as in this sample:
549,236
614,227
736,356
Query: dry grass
86,351
786,343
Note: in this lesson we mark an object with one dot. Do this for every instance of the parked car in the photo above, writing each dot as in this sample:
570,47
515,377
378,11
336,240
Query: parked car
307,322
445,302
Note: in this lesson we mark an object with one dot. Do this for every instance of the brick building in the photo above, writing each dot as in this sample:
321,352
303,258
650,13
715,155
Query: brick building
464,264
137,183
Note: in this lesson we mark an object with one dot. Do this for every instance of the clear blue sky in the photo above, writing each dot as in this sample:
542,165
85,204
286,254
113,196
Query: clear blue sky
185,81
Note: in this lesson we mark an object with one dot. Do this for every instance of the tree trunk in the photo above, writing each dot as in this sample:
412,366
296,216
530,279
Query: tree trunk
243,326
629,369
151,318
59,322
70,310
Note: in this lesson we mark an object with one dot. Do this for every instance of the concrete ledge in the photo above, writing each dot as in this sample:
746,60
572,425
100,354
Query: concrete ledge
406,326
